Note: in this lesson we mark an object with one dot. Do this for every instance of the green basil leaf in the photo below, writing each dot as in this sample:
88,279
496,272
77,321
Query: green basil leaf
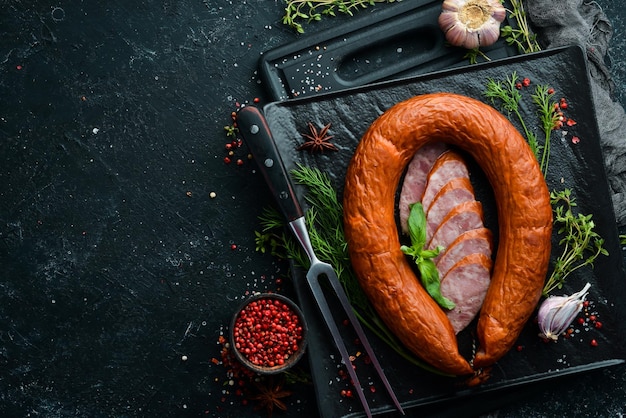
428,254
417,225
430,279
410,251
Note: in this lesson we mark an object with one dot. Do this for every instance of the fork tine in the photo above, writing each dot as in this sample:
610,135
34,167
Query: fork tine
332,326
347,307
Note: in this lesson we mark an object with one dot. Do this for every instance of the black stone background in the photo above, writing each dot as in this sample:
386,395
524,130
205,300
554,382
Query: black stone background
116,262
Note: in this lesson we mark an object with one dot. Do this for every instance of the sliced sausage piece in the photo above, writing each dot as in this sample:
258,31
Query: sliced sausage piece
415,178
463,217
466,284
449,165
474,241
454,192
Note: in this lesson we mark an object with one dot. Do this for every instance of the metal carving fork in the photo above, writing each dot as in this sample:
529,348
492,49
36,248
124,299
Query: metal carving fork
256,133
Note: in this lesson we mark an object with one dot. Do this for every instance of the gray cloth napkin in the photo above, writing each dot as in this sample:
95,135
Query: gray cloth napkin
567,22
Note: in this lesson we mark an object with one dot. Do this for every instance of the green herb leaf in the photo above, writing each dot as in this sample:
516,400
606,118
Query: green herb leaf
417,225
429,275
430,279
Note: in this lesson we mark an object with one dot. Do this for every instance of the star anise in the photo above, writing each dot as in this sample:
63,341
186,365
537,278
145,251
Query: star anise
318,141
269,397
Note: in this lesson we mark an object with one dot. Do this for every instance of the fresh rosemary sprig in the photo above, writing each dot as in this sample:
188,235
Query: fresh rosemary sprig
305,11
324,220
581,244
521,36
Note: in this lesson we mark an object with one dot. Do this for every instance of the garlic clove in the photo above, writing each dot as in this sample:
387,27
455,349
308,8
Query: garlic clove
556,313
471,23
490,34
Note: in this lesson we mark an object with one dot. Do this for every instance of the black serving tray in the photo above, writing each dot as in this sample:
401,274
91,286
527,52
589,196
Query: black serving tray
578,166
397,40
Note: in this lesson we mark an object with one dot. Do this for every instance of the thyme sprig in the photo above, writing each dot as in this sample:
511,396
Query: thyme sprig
522,37
581,244
298,12
324,219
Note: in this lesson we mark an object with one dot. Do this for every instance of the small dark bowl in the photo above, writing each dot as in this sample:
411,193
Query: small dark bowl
292,359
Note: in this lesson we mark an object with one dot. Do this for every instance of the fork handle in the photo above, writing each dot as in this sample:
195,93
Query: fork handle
256,133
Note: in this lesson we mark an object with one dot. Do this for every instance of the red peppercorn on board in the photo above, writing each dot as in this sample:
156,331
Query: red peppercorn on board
596,340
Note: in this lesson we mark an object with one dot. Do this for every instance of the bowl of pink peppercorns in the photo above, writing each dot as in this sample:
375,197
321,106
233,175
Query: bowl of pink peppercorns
268,333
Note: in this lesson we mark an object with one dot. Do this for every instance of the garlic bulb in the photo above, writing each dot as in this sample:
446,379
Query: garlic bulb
471,23
558,312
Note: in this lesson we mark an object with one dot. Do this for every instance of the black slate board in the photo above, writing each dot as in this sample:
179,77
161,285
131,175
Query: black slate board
578,166
400,40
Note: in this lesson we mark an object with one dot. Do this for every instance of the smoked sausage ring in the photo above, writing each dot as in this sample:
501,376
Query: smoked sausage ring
524,221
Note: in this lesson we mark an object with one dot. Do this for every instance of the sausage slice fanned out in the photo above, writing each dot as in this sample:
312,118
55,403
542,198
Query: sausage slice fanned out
449,165
478,240
454,192
415,178
453,213
524,216
462,217
466,284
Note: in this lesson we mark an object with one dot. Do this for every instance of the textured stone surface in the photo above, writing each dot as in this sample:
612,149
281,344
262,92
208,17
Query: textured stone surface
117,262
